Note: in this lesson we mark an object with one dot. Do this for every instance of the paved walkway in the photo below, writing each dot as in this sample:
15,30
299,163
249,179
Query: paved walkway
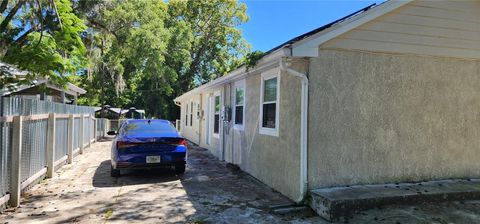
84,192
208,192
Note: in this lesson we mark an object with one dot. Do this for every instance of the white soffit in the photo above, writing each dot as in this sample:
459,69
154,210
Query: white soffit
308,47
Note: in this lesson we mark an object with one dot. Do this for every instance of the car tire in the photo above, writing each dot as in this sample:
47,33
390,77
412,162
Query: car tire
114,172
180,168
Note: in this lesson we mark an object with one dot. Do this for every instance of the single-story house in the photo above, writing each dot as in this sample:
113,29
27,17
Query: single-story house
41,88
388,94
134,113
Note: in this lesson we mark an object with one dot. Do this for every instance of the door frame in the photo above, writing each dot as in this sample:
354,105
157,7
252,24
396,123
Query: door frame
208,132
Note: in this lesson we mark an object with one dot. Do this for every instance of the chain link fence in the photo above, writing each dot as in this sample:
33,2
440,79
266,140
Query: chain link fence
5,162
61,138
34,148
34,134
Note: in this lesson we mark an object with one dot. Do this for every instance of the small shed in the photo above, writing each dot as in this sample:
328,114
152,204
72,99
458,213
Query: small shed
41,88
114,113
133,113
108,112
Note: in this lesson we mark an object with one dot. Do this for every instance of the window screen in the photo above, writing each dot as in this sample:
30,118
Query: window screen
216,118
239,104
269,107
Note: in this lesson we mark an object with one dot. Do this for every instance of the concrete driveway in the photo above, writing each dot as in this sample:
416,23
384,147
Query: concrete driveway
208,192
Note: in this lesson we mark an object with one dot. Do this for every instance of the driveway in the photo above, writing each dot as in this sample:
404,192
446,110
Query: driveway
209,192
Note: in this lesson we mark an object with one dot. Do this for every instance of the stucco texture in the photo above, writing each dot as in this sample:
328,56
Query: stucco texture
377,118
273,160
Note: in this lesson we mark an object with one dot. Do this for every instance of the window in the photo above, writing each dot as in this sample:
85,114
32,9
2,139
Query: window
150,126
269,114
191,113
239,107
186,115
216,114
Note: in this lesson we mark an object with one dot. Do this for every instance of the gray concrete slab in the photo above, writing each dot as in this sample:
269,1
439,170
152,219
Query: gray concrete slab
209,192
342,202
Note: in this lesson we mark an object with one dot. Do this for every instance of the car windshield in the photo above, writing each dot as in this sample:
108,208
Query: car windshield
143,127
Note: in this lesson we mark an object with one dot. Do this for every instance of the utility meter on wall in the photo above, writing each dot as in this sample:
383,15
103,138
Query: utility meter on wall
226,113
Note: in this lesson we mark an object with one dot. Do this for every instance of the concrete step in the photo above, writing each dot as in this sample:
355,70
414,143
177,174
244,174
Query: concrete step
337,203
288,208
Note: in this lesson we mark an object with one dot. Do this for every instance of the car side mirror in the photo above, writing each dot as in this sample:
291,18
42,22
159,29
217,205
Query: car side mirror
111,133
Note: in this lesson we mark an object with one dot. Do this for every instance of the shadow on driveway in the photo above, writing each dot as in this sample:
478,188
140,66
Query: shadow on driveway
102,177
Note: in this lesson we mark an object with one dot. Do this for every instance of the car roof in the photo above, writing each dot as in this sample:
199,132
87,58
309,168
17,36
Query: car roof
149,134
130,121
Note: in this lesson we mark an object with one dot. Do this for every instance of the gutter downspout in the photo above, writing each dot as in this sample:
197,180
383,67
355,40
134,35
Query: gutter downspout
303,130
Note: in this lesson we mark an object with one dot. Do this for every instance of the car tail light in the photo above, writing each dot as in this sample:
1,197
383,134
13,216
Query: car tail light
183,142
122,145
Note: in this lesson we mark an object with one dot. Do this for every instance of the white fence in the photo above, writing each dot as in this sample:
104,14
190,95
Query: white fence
38,137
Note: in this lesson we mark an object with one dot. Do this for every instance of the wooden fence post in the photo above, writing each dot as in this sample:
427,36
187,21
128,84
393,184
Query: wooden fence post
15,181
82,132
71,129
50,145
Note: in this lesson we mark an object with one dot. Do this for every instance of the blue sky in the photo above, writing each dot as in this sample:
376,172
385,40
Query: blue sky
273,22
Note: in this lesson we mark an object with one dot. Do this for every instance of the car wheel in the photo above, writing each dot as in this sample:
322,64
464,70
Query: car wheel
180,168
114,172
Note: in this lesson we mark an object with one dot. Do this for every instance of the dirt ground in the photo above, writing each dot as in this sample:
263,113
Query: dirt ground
209,192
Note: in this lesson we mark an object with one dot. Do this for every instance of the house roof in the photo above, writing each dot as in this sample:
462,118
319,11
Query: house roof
12,71
326,26
119,110
306,45
113,109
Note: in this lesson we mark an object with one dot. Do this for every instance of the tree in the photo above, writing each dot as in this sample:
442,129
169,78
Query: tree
127,42
207,45
151,51
43,37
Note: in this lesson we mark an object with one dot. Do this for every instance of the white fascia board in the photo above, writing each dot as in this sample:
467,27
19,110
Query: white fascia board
308,47
71,89
55,87
76,89
239,73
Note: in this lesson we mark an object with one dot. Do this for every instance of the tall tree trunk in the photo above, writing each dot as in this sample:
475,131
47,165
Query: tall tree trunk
3,6
10,15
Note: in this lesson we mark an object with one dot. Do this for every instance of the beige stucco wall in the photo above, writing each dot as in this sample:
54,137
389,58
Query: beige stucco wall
378,118
190,132
273,160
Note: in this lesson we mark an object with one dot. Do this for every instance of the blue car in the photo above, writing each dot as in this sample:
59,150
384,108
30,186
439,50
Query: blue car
145,144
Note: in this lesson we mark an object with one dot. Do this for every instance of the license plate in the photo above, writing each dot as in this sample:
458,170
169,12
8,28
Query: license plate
153,159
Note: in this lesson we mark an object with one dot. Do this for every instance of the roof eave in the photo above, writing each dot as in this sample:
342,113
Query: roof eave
240,72
308,47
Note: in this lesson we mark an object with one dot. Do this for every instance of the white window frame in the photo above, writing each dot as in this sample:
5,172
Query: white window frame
191,113
186,114
208,136
216,135
274,73
239,84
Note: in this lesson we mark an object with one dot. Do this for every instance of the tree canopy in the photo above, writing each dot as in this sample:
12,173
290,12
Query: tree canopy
43,37
126,53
